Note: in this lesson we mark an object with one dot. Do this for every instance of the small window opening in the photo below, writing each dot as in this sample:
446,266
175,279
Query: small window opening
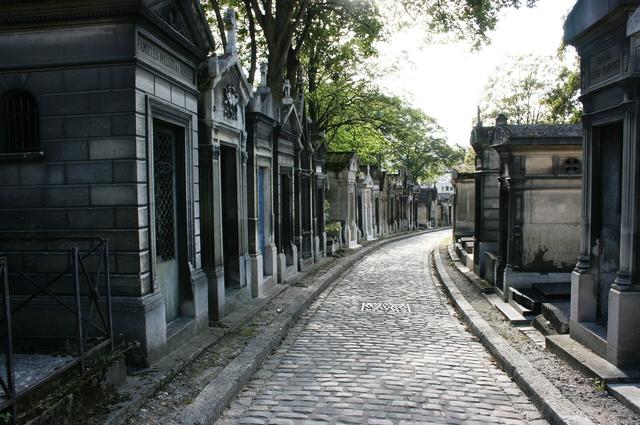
19,130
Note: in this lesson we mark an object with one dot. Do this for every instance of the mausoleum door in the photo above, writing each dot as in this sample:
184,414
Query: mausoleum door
360,216
503,225
230,223
608,213
166,217
287,217
261,211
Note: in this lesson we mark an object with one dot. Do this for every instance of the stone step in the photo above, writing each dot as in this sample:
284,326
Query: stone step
557,313
628,394
529,298
581,358
543,325
512,315
554,291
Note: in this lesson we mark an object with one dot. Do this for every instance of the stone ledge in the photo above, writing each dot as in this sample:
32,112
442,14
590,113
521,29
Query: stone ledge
484,286
581,358
627,394
546,397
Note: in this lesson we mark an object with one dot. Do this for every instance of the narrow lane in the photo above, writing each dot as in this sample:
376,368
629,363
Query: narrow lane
407,361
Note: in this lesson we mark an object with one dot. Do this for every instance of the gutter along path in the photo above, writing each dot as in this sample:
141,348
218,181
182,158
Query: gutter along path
380,346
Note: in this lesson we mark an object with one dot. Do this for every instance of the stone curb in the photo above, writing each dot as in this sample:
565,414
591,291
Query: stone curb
546,397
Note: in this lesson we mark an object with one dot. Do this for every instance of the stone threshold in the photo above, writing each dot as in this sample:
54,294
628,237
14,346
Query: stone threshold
514,317
215,397
586,361
553,406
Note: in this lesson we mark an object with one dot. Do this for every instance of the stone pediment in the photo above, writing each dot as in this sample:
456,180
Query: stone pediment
185,18
233,93
290,121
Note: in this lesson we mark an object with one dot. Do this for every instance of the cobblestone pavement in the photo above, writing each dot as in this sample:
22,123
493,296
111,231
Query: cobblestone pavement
382,364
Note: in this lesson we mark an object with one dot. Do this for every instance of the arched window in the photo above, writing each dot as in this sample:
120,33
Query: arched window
19,130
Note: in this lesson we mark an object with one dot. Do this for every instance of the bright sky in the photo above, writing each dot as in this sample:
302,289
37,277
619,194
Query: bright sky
447,81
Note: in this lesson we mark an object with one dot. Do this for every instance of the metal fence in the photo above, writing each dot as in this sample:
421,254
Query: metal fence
89,308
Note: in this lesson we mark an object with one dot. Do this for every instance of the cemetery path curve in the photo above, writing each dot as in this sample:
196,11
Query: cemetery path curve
382,363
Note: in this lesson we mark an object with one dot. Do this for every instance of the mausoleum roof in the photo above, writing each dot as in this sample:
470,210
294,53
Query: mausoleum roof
538,134
339,160
587,13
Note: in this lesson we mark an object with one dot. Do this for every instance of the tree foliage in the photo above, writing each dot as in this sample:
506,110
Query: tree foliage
396,136
326,47
286,27
468,20
533,89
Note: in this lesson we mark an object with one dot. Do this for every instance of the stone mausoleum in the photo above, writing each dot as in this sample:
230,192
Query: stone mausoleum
111,93
540,193
487,199
605,292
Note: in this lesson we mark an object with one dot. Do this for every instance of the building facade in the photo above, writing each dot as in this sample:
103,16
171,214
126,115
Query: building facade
605,293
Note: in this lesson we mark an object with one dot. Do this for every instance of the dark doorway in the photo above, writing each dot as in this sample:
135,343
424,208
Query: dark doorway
262,172
287,217
320,216
230,225
377,213
170,215
608,188
503,225
360,213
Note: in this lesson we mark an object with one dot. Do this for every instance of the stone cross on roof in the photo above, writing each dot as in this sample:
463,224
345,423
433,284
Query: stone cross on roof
263,74
230,26
286,88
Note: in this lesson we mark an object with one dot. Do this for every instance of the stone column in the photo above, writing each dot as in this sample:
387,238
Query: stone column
210,196
628,200
211,226
584,304
623,345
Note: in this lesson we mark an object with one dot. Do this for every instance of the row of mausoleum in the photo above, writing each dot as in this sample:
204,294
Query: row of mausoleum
119,128
550,213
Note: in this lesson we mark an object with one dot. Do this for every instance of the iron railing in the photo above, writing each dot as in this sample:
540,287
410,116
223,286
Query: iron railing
90,310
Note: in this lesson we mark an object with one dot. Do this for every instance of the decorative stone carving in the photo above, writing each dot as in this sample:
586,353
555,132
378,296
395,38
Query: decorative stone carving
230,27
215,151
230,100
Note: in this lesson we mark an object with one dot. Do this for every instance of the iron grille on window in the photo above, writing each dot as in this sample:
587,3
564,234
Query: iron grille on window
18,122
163,156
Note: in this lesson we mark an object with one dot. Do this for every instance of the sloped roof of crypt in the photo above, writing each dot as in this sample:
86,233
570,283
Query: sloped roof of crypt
587,13
538,134
182,21
337,161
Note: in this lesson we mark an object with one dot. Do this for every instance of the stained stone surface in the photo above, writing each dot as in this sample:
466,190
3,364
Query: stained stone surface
31,368
342,365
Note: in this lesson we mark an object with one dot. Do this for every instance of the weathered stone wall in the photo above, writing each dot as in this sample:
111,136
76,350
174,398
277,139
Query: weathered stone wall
464,208
96,113
551,216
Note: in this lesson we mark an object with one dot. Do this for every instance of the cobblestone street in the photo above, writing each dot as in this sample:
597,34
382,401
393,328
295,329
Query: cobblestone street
408,361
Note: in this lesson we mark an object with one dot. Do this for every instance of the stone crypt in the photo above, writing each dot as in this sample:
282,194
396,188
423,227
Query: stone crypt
605,292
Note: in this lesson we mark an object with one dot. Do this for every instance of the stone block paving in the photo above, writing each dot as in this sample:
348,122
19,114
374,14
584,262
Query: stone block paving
342,364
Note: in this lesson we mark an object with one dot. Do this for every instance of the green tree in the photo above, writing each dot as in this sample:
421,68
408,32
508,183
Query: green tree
285,27
397,136
533,89
562,100
469,20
